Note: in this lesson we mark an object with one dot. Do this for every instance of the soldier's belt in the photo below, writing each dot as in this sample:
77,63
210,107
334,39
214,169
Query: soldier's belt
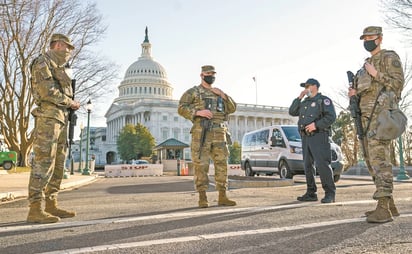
218,125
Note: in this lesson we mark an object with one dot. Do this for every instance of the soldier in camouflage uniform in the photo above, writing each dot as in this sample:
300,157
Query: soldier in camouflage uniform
382,70
316,114
52,92
208,108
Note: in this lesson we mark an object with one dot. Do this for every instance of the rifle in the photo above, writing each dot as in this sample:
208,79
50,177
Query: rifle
354,107
206,124
356,115
72,124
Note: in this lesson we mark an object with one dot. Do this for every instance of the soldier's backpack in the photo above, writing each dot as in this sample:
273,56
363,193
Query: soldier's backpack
391,122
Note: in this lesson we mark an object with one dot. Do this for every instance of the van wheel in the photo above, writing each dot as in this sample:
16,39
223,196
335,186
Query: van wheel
284,171
7,165
336,178
248,170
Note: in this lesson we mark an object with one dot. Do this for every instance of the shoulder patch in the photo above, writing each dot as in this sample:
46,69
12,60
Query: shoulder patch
327,102
396,63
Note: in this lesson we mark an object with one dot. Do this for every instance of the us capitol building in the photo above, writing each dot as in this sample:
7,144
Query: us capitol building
145,97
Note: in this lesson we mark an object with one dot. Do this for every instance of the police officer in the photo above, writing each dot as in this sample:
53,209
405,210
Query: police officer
208,108
382,70
52,92
316,115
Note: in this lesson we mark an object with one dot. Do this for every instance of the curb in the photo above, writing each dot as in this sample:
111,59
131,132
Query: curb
237,182
12,195
78,183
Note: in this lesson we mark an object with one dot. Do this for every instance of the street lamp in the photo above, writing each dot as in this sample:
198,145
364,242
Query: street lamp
89,107
254,80
81,139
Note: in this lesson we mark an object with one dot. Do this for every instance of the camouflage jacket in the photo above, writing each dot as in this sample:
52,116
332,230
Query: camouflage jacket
390,76
198,98
51,89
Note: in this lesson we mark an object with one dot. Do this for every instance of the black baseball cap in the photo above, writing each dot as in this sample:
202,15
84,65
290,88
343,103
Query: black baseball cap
310,81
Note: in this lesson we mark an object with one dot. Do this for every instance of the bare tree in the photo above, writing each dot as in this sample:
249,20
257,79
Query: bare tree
25,29
398,14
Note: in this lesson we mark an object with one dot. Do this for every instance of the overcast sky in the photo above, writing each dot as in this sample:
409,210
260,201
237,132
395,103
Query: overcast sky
281,43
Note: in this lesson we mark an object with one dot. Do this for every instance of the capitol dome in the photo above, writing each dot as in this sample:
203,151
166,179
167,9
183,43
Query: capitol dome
145,78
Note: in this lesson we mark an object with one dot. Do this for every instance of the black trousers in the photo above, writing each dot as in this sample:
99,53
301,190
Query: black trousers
317,156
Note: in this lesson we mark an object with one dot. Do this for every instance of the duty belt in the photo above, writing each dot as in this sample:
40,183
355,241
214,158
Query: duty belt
303,132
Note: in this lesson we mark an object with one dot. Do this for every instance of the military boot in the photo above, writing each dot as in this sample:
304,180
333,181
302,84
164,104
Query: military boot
223,200
37,215
392,208
382,213
203,199
51,207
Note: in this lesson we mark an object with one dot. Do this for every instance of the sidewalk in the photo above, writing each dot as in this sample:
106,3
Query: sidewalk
15,185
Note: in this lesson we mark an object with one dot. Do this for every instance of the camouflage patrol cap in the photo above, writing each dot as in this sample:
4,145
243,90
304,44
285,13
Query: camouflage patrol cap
208,68
63,38
310,81
371,30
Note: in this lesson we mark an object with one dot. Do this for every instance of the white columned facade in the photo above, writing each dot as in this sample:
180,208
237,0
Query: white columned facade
145,96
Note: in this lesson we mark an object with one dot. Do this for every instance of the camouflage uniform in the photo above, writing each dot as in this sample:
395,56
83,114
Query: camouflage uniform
390,76
52,91
215,146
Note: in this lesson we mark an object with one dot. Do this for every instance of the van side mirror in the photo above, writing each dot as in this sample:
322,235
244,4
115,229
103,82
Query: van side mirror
277,142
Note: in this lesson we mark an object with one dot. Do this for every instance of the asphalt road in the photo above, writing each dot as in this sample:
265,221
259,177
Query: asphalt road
160,215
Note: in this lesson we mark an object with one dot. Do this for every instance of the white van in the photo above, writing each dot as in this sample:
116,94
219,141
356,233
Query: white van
278,149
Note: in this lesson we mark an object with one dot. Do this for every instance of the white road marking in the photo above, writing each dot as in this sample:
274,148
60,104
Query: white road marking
207,236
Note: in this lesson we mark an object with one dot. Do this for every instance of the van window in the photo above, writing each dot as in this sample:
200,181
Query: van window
276,133
277,139
292,133
262,137
250,140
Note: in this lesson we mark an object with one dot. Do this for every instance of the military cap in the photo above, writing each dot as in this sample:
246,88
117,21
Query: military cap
208,68
63,38
310,81
371,30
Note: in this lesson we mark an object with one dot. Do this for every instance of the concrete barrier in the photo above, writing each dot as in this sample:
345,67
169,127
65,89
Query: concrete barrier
232,170
127,170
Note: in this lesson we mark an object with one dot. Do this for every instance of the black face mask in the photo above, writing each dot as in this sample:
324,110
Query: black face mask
209,79
370,45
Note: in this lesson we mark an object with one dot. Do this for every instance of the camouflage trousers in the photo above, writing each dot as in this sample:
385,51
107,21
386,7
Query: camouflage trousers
49,148
215,149
379,157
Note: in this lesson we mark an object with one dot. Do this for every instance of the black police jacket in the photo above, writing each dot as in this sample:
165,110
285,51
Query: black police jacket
318,109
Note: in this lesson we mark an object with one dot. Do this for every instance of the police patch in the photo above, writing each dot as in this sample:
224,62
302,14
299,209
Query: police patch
313,104
327,102
396,63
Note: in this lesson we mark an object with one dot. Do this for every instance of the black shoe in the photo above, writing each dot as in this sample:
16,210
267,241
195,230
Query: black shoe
308,197
328,199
